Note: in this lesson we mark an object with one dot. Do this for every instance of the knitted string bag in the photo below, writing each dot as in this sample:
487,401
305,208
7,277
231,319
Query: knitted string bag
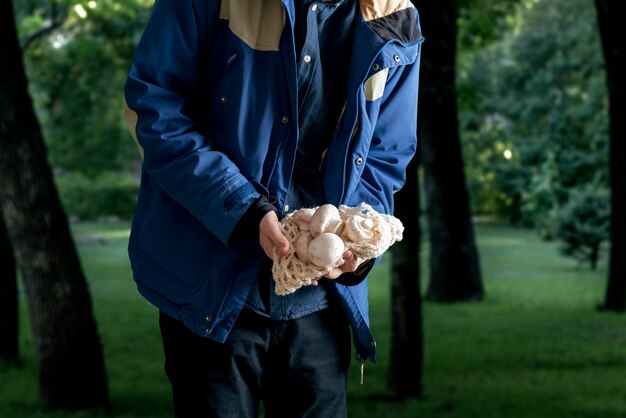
365,232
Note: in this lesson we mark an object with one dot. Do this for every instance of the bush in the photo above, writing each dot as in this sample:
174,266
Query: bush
584,223
109,194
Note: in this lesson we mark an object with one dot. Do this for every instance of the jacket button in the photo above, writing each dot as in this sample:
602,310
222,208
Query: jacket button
307,58
208,318
286,208
358,161
223,99
284,119
375,67
314,7
373,344
396,58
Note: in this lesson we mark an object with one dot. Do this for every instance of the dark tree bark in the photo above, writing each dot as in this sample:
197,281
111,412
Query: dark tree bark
9,334
406,356
611,25
70,361
455,273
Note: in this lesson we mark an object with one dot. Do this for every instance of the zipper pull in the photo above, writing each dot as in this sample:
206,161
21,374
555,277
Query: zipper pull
362,368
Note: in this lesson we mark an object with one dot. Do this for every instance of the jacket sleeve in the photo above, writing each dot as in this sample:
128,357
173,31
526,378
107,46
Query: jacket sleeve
394,140
159,93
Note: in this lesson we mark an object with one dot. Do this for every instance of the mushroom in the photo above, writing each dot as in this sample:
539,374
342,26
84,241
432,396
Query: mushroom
302,246
326,249
325,219
358,228
302,217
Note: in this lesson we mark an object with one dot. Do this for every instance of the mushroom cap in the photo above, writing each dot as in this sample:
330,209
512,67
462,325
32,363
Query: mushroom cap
326,249
359,228
325,219
302,217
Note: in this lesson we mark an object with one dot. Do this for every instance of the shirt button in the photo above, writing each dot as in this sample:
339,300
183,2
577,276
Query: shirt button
358,161
375,67
314,7
286,208
208,318
396,58
284,119
223,99
307,58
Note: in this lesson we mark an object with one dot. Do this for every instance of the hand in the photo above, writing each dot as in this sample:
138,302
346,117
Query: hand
351,263
271,237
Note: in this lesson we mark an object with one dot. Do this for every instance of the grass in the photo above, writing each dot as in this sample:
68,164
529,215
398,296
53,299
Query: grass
535,347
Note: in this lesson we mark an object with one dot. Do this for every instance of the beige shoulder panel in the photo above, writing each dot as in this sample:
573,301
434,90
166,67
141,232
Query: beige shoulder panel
374,9
258,23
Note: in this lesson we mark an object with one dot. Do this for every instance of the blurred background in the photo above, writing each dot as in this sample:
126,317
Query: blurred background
504,299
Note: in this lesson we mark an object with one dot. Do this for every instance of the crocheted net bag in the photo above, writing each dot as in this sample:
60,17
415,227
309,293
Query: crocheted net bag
290,273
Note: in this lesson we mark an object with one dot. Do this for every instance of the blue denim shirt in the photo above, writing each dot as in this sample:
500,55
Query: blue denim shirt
323,32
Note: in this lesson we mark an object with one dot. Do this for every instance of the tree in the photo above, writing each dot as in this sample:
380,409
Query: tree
454,263
70,362
9,347
533,112
583,224
405,377
614,49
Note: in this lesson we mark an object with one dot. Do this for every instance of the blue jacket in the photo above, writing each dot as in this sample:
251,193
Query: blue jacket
212,102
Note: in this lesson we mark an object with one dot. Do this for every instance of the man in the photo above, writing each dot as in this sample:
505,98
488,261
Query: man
245,110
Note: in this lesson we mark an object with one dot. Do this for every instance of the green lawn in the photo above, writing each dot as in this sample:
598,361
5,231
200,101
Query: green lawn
535,347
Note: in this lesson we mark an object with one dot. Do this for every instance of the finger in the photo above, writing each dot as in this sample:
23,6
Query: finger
267,245
271,237
314,283
351,262
334,273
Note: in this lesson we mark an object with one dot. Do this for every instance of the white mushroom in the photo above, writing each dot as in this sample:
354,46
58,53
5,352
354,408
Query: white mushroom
326,249
358,228
302,217
325,219
302,246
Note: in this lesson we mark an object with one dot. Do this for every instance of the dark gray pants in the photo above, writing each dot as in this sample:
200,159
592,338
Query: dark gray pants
297,368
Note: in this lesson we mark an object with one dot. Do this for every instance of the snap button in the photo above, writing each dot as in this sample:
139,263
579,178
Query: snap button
286,208
208,318
358,161
223,99
307,58
375,67
314,7
396,58
284,119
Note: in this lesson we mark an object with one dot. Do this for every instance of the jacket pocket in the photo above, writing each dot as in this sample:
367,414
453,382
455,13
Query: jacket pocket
172,242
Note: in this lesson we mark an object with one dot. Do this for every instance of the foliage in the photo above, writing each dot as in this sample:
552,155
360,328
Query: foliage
77,75
77,66
583,223
109,194
534,113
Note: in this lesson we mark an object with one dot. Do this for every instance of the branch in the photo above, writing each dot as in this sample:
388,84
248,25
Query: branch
55,21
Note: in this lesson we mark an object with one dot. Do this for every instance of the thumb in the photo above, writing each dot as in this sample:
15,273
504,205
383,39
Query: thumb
281,243
272,234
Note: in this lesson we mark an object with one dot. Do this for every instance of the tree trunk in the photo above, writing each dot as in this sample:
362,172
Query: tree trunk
454,263
9,334
70,361
406,357
611,24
